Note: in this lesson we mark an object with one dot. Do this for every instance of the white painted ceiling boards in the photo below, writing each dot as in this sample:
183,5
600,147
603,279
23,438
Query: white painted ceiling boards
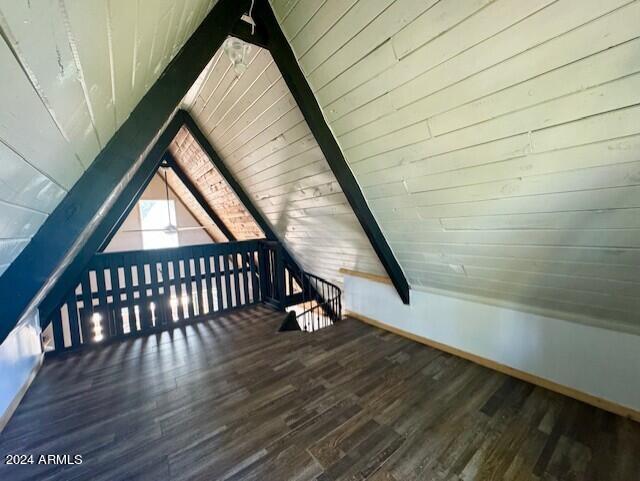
257,129
497,142
71,73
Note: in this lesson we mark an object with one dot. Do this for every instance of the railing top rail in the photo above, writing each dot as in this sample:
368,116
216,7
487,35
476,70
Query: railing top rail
222,248
313,276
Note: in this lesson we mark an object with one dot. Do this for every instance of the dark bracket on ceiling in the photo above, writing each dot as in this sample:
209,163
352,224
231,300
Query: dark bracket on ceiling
242,30
287,63
197,195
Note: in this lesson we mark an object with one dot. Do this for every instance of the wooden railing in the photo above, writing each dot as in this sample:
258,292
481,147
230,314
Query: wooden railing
122,294
127,293
317,303
321,303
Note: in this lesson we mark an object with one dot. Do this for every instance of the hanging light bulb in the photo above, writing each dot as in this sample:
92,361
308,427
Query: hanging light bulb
237,51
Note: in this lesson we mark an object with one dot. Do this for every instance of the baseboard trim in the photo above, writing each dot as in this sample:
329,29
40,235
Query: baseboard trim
491,301
6,416
605,404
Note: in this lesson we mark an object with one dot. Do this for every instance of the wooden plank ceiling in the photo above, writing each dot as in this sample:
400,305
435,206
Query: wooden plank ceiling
71,73
257,129
196,165
497,142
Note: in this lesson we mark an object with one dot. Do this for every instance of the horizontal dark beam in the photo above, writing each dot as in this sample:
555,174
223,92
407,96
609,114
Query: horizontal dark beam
301,91
25,282
184,178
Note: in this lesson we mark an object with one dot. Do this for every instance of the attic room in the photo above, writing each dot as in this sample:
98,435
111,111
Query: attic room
382,240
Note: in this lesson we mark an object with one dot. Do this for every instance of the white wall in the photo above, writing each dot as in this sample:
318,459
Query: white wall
20,358
129,241
593,360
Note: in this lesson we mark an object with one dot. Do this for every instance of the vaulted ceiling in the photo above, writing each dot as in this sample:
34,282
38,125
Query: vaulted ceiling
496,142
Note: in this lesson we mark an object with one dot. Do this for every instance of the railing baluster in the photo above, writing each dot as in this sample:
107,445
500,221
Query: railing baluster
206,272
216,265
131,301
236,279
199,284
242,256
255,289
103,306
165,302
180,288
227,280
143,307
86,313
74,325
189,285
116,294
155,291
58,333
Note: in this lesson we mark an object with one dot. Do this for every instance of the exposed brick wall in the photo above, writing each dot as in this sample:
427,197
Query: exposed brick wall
221,198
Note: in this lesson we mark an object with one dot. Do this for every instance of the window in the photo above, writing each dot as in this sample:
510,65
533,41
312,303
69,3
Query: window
157,220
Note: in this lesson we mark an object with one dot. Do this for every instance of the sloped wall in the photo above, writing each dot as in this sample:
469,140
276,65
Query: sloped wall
497,142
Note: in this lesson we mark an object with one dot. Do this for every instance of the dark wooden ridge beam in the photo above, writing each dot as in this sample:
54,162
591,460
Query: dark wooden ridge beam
215,159
184,178
111,221
301,91
27,280
294,266
118,213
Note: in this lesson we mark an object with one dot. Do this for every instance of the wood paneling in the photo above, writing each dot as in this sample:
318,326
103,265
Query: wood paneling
229,399
71,72
496,142
264,141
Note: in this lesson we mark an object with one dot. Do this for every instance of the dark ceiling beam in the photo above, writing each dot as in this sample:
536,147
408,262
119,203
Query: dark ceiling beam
27,280
215,159
295,268
301,91
200,199
110,222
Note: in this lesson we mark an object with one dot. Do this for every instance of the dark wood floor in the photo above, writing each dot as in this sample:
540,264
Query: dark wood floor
232,399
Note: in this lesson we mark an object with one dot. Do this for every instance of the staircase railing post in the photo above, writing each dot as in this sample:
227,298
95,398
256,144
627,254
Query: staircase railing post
280,277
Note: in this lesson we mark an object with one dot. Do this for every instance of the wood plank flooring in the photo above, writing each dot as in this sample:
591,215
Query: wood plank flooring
231,399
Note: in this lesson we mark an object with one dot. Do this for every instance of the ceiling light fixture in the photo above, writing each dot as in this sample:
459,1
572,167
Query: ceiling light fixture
236,49
237,52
